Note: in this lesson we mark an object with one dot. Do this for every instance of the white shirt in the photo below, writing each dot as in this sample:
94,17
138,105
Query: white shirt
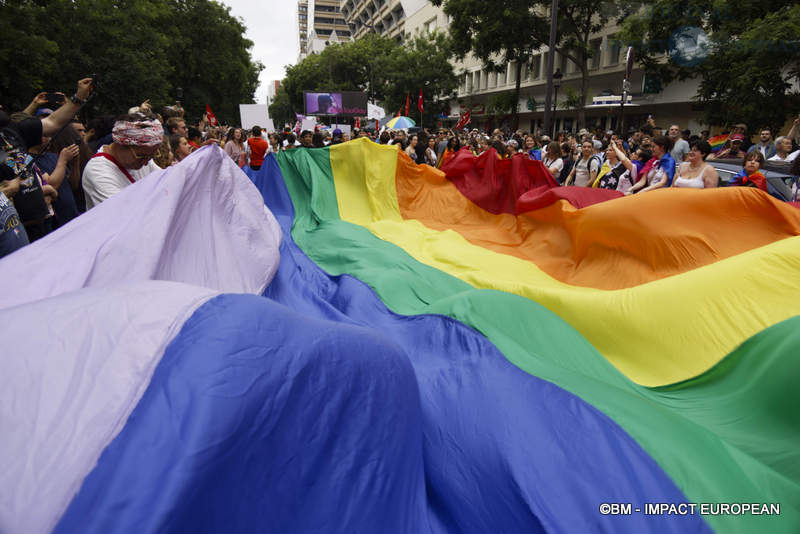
102,178
556,164
789,157
583,168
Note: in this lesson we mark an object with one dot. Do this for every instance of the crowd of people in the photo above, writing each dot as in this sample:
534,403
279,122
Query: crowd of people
56,167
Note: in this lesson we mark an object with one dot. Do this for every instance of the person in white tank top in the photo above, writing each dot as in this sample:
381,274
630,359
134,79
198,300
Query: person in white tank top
695,173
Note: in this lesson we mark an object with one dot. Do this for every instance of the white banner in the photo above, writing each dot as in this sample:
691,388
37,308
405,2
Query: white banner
375,112
254,115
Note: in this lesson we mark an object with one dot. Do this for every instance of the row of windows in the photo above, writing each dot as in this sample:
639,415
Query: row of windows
330,9
610,55
326,20
340,33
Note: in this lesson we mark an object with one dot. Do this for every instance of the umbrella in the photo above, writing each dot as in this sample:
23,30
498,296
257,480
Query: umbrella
398,123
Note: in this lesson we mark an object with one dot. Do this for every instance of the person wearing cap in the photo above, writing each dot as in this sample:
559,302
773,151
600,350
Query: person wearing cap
741,128
734,151
129,158
512,147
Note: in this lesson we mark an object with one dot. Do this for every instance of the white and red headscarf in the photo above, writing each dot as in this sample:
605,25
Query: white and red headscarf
138,133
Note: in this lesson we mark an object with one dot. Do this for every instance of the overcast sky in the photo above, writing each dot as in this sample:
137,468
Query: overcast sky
272,26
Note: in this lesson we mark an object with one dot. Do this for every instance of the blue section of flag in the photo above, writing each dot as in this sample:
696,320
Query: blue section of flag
316,409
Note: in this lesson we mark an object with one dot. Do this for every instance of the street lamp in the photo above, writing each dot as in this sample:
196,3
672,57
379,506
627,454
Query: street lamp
557,75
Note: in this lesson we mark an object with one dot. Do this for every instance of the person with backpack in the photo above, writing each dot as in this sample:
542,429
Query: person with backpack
584,172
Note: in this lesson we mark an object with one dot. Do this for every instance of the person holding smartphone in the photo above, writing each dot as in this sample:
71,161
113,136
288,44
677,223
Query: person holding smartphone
20,182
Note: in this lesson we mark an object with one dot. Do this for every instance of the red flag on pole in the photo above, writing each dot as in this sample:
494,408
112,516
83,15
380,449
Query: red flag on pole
358,123
212,119
419,101
408,102
465,119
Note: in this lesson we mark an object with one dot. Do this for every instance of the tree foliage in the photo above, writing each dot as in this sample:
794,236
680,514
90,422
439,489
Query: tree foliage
143,49
377,65
753,65
496,33
513,30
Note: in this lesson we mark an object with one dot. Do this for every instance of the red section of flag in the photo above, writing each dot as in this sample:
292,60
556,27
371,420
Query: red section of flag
358,122
419,101
408,102
376,125
465,119
212,119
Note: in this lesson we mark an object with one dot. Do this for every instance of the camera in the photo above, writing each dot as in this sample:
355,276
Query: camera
54,99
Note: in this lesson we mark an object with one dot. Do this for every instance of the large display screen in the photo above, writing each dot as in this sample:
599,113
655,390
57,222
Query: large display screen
345,103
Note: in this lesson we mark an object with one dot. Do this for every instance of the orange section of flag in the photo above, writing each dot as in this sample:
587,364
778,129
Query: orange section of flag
616,244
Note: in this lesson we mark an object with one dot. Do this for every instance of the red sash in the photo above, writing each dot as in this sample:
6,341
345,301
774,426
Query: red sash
110,158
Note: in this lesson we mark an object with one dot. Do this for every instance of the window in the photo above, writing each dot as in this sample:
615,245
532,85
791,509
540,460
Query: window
536,67
613,49
430,26
595,46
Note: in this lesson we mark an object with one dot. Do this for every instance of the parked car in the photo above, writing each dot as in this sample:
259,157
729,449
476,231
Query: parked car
780,183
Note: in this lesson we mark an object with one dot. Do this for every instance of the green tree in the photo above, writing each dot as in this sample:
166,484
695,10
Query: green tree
280,110
421,63
25,57
577,21
210,58
496,33
753,61
140,49
373,64
339,67
512,30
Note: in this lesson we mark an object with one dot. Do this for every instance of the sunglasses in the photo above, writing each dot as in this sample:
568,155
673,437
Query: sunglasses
141,157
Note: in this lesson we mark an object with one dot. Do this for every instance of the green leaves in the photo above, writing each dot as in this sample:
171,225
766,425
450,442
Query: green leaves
141,50
752,66
373,64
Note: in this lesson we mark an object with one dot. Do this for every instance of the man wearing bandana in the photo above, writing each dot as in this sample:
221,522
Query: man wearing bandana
129,158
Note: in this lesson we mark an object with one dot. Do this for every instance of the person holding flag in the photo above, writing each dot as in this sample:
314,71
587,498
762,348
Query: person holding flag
464,120
210,117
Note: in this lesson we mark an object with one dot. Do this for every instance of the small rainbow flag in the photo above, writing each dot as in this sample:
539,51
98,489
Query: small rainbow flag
717,142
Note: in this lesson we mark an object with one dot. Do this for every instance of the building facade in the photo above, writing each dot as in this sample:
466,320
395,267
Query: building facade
402,19
385,17
320,23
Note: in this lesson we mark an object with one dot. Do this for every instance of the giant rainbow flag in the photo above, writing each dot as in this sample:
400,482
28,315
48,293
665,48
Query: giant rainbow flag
348,342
